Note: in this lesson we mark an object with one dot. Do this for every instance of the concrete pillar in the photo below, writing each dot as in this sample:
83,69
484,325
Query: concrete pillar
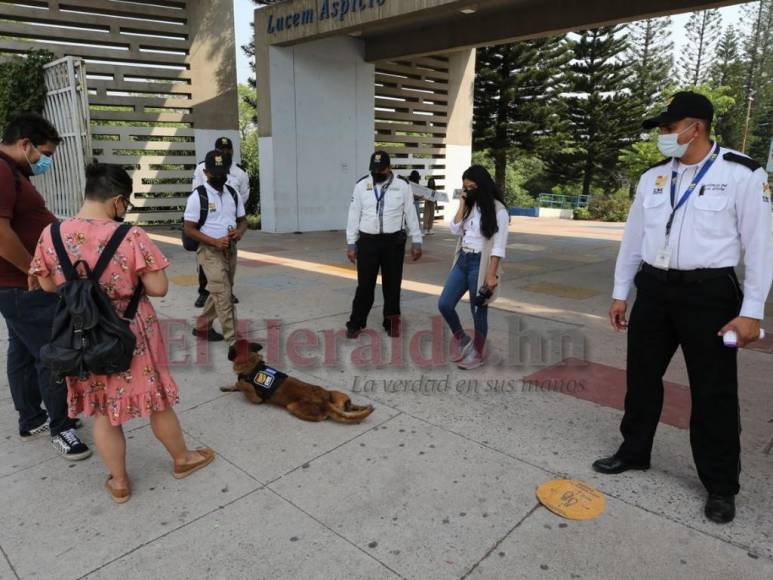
213,74
316,132
458,141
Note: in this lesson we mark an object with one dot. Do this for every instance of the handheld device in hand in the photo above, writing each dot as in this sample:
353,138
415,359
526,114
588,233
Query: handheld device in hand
483,294
730,338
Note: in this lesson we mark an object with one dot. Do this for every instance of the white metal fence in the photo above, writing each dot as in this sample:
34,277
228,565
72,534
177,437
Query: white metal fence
67,108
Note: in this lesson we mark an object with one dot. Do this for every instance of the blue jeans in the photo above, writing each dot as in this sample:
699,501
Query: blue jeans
463,278
29,316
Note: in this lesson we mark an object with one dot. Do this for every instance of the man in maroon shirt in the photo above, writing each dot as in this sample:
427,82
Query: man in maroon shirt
28,144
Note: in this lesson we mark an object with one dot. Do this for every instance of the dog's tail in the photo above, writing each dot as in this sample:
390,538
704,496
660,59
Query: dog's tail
350,413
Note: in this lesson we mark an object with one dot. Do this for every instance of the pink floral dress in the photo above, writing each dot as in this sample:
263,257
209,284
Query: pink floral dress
148,385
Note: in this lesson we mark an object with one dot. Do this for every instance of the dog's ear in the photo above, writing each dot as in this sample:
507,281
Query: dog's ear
239,349
255,347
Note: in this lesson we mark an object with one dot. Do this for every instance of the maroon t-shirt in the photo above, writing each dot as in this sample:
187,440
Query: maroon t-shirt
27,212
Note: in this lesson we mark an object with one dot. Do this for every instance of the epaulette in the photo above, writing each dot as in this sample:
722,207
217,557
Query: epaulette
741,159
363,177
659,163
405,179
240,166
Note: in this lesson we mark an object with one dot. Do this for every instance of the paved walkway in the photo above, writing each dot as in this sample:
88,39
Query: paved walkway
439,482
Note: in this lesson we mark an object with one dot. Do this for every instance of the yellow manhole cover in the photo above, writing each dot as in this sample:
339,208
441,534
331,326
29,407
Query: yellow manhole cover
571,499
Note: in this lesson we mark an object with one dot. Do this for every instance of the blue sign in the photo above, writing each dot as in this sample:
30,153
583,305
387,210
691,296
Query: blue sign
326,10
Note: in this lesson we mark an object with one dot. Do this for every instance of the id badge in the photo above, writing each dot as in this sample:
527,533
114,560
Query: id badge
663,259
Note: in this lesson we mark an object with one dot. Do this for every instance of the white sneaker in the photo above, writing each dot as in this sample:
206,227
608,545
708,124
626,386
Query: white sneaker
465,348
472,360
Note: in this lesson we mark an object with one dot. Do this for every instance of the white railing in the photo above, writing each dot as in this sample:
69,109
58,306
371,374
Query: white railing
68,110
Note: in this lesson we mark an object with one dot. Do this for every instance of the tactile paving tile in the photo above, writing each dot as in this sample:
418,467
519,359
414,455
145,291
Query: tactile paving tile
561,290
605,386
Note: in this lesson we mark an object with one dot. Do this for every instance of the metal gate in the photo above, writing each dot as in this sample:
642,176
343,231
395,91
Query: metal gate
67,108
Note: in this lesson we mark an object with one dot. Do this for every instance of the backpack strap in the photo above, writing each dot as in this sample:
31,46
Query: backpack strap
104,260
68,269
233,193
110,249
203,205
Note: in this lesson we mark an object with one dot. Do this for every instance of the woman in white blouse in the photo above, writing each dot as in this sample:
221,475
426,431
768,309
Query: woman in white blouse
481,226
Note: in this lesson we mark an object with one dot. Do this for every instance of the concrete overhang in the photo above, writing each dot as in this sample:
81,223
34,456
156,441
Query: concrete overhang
406,28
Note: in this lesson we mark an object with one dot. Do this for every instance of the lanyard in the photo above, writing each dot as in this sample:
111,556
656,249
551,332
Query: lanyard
380,202
690,188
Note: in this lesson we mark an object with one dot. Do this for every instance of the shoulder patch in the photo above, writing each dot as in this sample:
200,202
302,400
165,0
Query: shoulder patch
363,177
742,159
659,163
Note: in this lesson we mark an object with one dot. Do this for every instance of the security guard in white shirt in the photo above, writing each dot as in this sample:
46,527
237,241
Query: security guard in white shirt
693,214
382,205
239,180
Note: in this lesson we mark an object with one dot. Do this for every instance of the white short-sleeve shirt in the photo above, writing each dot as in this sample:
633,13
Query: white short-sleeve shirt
222,213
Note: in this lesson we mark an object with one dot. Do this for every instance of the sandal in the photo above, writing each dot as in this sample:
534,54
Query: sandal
207,455
117,495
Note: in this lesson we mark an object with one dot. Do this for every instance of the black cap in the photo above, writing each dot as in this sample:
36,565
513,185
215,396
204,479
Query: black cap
379,161
216,162
224,143
681,105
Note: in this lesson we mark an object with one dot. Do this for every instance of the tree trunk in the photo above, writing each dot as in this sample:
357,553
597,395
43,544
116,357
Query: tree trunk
500,169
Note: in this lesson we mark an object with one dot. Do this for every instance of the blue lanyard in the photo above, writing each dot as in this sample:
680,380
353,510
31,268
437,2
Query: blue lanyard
380,198
690,188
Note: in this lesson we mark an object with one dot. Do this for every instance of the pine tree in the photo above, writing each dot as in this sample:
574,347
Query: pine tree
598,122
702,30
758,62
514,88
650,54
727,70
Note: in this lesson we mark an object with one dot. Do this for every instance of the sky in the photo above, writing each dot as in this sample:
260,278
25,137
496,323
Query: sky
243,10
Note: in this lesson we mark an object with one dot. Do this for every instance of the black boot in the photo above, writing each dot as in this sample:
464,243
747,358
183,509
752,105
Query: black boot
720,508
614,465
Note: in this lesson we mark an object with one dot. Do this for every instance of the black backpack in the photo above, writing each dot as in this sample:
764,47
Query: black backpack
88,335
189,243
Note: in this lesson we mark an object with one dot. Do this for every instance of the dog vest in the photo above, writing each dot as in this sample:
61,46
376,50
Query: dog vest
265,379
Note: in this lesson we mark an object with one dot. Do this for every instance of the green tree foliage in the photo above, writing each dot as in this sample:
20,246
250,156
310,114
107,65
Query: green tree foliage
22,84
650,54
597,120
703,30
727,70
758,58
514,90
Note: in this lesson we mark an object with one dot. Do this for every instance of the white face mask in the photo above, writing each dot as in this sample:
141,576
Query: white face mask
669,145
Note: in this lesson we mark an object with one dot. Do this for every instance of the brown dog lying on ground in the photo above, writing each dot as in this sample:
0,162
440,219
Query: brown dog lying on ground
263,384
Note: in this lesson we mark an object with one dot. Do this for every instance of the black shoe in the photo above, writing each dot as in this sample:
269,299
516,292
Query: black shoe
353,333
74,423
720,509
210,335
234,299
392,327
69,446
613,465
201,300
35,433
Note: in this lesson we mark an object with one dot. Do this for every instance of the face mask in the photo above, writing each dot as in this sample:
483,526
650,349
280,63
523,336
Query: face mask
218,182
471,194
120,218
41,165
379,177
669,145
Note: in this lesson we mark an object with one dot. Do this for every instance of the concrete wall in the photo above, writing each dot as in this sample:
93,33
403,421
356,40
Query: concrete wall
321,109
459,135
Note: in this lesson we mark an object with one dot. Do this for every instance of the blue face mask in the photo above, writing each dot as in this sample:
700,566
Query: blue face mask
41,165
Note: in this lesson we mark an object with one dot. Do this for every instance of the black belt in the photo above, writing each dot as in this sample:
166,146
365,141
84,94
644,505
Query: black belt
363,235
686,276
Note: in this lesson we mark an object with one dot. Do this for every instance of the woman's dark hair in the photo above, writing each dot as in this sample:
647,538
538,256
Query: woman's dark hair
485,195
105,180
414,177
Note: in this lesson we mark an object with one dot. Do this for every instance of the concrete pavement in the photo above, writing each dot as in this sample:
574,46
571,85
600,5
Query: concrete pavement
439,482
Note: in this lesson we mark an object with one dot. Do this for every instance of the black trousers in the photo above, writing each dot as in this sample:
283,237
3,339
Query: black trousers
666,315
376,252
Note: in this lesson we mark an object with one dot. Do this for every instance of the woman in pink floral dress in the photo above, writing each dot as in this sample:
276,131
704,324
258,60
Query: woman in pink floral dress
147,389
